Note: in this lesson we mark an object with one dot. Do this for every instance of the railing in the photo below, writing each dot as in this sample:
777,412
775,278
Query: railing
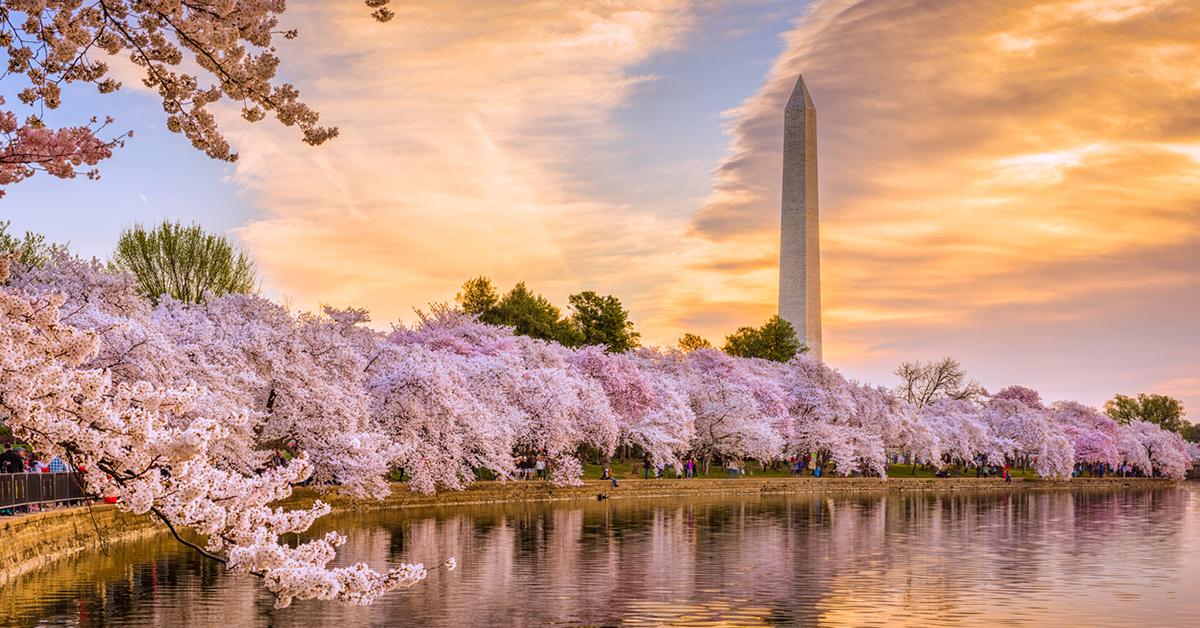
24,489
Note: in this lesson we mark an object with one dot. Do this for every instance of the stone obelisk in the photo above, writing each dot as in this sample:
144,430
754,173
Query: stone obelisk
799,251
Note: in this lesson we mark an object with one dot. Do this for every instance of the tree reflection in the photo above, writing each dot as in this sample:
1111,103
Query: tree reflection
917,558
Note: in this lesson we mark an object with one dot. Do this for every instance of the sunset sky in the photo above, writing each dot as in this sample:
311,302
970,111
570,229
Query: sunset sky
1015,184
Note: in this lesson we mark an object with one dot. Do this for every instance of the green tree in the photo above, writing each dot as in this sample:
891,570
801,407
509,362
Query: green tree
479,297
775,340
183,262
1190,432
1166,412
691,342
31,249
600,320
531,314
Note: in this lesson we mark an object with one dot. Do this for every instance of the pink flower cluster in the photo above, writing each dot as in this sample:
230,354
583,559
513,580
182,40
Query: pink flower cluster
26,148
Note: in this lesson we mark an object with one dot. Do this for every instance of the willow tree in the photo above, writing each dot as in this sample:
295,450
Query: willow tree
183,262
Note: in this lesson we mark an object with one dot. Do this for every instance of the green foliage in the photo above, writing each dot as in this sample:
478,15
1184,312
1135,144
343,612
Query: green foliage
479,297
183,262
775,340
31,249
600,320
596,320
1190,432
531,314
691,342
1166,412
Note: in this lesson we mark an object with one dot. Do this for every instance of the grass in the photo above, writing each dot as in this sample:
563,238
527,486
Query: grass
633,470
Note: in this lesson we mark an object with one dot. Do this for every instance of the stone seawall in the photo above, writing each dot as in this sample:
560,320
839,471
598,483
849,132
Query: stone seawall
521,491
30,541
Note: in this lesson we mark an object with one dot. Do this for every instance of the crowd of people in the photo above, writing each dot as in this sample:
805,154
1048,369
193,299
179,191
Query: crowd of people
20,460
530,467
808,464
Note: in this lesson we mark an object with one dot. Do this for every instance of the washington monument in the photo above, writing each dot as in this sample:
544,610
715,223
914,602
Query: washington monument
800,244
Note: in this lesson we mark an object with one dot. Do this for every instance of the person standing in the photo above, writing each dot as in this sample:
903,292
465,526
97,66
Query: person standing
57,465
540,466
38,464
10,461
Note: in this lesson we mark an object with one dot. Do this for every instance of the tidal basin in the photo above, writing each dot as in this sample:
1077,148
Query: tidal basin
1083,557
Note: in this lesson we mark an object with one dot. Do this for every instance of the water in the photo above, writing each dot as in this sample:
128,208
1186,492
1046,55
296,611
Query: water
1053,558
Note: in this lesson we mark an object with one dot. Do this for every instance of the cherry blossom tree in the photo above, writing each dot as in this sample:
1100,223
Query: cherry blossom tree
962,434
736,410
1152,449
833,418
896,423
553,408
1027,396
651,409
298,378
1025,431
52,44
427,402
153,447
850,449
1093,435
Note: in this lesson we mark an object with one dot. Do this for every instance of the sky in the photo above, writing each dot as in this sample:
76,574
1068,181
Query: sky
1012,183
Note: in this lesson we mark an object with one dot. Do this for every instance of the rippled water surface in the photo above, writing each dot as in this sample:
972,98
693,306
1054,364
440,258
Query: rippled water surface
1053,558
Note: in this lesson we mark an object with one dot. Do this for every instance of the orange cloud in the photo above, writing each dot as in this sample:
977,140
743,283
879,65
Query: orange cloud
458,123
979,158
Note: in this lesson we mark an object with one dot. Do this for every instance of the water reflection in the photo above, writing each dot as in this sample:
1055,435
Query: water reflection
1046,558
